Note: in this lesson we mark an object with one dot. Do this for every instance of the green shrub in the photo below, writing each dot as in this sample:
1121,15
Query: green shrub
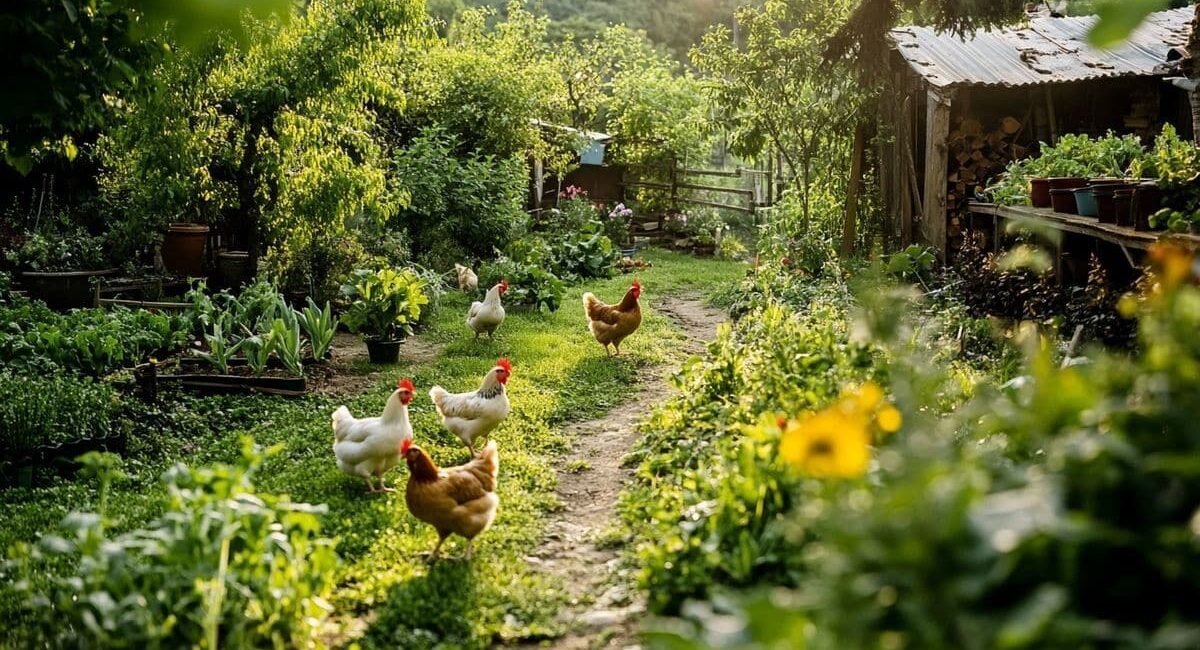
461,205
223,566
529,283
384,304
39,411
705,509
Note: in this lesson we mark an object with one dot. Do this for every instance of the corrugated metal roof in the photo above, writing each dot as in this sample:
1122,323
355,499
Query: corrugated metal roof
1049,50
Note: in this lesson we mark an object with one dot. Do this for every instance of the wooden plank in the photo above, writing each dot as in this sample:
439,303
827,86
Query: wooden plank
711,172
145,304
714,188
1076,224
651,185
910,196
726,206
937,165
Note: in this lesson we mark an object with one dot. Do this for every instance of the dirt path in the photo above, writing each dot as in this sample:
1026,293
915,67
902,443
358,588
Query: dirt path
604,605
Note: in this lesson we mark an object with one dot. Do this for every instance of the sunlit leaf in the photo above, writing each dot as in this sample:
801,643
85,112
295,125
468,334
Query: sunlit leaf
1119,18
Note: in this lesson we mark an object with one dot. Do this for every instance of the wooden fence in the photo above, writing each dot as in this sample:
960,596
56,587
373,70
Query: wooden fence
759,188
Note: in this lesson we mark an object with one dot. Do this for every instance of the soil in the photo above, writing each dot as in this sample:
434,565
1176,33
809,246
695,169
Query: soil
351,373
605,607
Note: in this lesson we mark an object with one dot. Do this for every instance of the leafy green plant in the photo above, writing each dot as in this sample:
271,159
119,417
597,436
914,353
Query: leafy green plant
529,283
588,253
220,348
320,325
1071,155
257,349
287,344
72,250
38,411
223,566
384,304
912,263
91,341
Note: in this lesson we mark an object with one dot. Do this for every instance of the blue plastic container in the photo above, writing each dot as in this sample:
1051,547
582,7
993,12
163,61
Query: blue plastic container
1085,202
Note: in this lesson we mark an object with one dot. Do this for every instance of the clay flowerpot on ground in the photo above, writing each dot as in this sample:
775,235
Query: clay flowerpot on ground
183,249
384,306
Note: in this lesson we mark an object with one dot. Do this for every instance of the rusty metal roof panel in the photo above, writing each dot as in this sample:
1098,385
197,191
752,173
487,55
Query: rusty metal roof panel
1047,50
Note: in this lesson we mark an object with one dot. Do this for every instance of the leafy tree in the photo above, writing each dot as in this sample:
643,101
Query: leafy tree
771,89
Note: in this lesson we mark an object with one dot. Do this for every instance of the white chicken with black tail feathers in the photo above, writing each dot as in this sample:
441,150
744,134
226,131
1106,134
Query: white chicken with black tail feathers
472,416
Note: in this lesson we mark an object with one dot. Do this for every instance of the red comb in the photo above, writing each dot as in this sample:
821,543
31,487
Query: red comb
506,364
636,283
405,446
504,283
406,384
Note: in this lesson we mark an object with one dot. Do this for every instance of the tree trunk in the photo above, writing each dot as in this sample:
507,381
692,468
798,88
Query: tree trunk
849,225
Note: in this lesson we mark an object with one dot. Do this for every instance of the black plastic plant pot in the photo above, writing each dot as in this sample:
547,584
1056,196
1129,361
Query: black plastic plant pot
382,352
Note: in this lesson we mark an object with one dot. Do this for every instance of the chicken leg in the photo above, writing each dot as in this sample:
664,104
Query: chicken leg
433,557
470,549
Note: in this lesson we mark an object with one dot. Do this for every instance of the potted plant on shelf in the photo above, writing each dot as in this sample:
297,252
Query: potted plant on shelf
383,306
60,266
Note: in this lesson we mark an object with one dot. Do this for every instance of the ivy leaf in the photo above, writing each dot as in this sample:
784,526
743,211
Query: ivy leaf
1118,19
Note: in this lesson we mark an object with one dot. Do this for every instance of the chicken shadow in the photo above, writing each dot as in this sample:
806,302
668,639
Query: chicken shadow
436,608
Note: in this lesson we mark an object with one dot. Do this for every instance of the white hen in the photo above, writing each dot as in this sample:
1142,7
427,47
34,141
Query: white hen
369,447
486,316
472,416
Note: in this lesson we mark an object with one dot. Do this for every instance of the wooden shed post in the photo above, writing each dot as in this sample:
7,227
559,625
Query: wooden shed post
937,164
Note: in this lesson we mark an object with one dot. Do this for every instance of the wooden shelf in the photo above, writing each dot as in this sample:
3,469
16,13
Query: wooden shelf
1074,223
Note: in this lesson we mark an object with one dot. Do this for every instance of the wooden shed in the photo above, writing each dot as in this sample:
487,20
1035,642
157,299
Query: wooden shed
959,109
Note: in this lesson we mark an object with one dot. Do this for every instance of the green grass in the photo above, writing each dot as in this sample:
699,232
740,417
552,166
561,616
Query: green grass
560,374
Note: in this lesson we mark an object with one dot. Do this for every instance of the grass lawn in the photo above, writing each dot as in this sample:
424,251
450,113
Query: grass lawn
386,593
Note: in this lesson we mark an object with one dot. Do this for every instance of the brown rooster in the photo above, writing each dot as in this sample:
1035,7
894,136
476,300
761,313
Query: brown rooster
612,324
460,500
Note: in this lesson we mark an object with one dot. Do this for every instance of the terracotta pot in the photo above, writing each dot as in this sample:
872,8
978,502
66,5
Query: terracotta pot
183,249
1147,199
1063,201
64,289
1122,201
1039,192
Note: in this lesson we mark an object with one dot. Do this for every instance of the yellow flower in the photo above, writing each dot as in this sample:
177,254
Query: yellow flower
869,397
830,443
889,419
1172,263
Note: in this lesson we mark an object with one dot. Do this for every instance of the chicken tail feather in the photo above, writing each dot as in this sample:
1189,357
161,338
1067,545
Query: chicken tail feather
590,304
437,395
340,416
488,460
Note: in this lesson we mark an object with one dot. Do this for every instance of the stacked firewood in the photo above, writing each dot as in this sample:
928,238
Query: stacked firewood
977,156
